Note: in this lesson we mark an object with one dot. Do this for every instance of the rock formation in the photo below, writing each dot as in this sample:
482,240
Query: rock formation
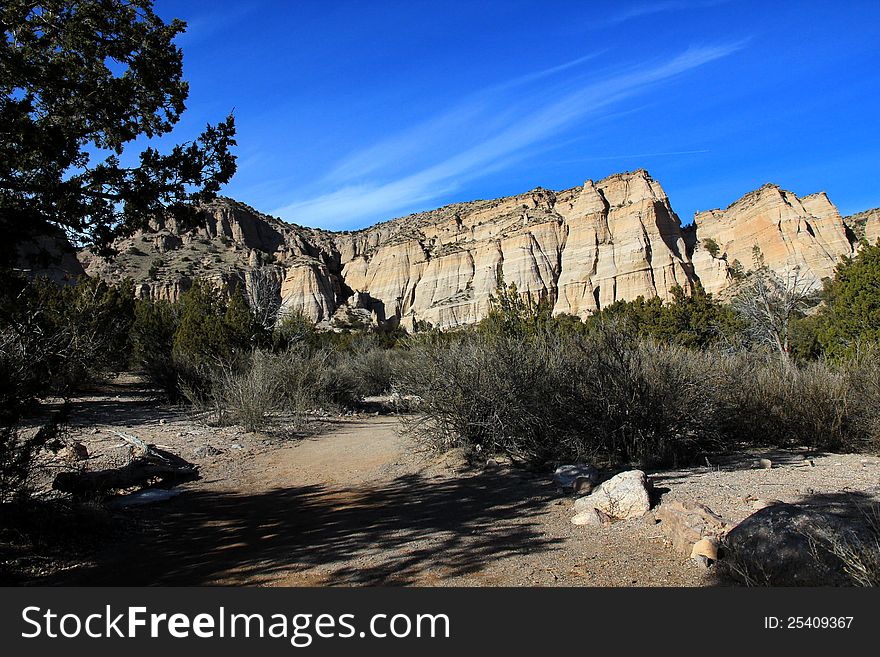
865,225
806,233
581,249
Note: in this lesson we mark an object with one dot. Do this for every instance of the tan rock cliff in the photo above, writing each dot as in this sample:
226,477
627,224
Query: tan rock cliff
805,233
581,248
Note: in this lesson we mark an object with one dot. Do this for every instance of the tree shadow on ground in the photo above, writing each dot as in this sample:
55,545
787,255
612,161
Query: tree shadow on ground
414,529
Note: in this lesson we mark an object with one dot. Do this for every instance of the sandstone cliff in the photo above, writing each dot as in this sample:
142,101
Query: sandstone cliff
581,248
806,233
865,225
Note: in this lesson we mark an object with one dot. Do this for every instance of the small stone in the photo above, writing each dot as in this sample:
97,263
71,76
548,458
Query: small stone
74,451
703,561
705,547
765,464
206,450
583,486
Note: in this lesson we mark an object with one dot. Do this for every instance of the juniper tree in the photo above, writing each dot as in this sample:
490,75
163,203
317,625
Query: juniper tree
80,82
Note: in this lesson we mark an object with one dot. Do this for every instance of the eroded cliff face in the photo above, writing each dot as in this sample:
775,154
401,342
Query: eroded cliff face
805,234
582,249
865,225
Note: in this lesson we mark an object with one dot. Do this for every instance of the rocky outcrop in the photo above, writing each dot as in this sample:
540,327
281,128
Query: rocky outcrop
581,249
807,234
865,225
47,254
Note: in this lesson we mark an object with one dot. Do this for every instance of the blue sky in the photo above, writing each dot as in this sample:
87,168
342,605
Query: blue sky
354,112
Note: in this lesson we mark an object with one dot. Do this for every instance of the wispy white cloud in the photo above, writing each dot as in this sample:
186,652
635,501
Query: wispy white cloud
443,153
632,155
470,114
202,26
650,8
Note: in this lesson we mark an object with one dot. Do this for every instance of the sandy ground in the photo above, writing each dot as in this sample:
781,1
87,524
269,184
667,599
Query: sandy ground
358,503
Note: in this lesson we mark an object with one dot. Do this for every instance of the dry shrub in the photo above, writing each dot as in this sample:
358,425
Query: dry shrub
862,373
610,395
291,383
250,396
766,401
551,397
860,553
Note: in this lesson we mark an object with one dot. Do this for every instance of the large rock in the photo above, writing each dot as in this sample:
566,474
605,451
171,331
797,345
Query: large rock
791,545
687,524
622,497
865,225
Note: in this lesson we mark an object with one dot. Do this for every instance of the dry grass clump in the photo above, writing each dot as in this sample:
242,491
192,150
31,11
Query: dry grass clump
264,386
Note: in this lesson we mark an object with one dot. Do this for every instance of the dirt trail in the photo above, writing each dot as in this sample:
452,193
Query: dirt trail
359,504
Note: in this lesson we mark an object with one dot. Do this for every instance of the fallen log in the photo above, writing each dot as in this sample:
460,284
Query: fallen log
153,466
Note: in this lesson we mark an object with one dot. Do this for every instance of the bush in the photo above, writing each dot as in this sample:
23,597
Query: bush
182,347
250,395
252,390
851,314
155,324
862,372
690,320
215,326
18,457
712,247
612,396
765,401
54,338
562,397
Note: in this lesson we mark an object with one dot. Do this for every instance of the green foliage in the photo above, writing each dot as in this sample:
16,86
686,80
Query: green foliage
155,324
712,247
737,271
547,397
79,83
182,346
96,318
294,328
215,326
689,320
851,314
611,396
512,313
54,338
